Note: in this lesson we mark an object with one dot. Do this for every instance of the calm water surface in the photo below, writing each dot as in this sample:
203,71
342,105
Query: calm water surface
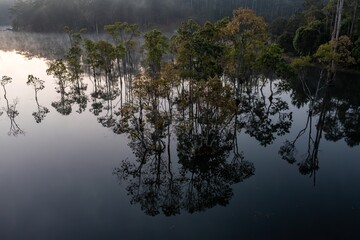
68,170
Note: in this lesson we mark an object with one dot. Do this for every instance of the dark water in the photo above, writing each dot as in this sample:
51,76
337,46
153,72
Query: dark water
283,164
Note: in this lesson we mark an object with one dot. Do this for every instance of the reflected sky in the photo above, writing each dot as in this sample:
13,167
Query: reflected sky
57,180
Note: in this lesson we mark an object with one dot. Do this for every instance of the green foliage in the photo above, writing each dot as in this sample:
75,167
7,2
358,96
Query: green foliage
58,69
278,26
92,55
272,55
314,13
272,61
344,47
155,45
74,53
325,54
122,32
106,54
208,51
286,42
184,48
338,53
246,36
356,52
307,38
301,62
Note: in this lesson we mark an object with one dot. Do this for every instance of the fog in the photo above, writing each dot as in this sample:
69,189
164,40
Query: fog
53,15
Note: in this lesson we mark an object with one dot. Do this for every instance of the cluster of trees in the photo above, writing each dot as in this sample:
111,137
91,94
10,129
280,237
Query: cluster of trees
326,32
202,85
208,154
53,15
233,50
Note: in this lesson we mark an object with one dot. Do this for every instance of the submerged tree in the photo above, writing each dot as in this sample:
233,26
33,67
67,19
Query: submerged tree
207,147
208,156
124,36
59,71
246,37
155,45
38,85
10,109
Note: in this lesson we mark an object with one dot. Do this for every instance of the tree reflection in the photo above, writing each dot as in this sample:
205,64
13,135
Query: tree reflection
151,182
38,85
10,110
77,95
209,161
206,133
58,70
103,102
345,114
316,94
329,114
263,112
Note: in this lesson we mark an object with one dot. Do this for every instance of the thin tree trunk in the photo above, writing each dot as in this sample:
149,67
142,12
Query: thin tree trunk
353,19
336,31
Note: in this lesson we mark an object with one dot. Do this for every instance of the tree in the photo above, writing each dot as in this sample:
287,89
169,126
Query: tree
11,110
38,85
245,36
155,45
336,30
272,61
58,69
356,52
329,54
307,38
124,36
183,44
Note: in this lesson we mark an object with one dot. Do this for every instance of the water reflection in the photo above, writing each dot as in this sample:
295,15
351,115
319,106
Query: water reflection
208,158
38,85
10,110
331,112
184,134
59,71
207,146
263,111
71,90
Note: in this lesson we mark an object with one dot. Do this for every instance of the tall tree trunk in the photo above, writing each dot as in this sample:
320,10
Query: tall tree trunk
336,32
353,18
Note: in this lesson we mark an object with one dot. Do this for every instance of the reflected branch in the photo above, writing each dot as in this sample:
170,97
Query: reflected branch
38,85
11,111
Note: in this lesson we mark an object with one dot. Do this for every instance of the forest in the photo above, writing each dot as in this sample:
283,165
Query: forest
52,15
298,27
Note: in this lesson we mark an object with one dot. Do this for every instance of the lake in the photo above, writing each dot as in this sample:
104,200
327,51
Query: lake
96,162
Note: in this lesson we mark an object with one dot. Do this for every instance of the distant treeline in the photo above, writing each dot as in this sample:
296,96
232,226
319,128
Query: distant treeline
4,12
53,15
